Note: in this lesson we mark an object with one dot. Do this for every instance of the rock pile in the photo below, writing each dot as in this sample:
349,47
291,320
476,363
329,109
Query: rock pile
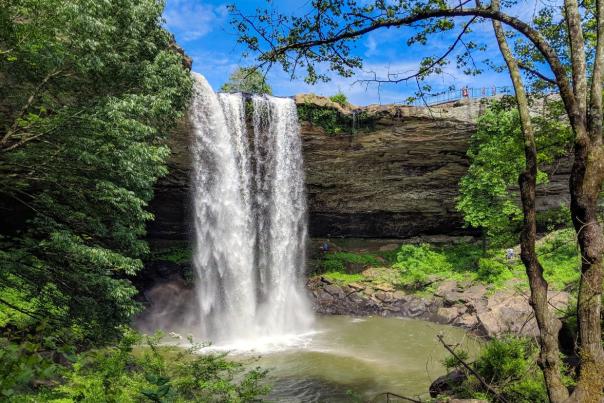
472,307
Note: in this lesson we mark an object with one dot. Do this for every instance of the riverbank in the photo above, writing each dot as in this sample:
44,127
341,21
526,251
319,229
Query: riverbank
445,280
456,285
473,307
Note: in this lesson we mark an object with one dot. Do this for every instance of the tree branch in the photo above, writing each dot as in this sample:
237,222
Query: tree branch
27,105
549,54
469,368
536,73
424,70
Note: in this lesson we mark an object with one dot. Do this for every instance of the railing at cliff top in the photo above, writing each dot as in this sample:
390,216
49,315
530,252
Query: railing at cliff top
463,93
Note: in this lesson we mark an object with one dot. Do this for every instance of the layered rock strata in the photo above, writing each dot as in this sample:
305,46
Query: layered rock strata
378,171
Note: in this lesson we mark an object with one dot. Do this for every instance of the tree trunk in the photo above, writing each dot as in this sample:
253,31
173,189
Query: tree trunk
585,184
549,358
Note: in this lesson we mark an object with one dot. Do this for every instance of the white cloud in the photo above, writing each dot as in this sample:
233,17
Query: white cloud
364,93
191,19
371,45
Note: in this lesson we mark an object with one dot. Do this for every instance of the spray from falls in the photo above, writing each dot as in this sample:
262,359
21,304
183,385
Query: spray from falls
250,217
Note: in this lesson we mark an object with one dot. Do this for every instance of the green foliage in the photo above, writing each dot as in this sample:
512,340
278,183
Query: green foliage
343,277
246,79
340,261
508,365
344,267
554,218
329,119
505,358
560,258
177,254
496,159
150,373
339,98
332,122
90,90
22,364
417,263
420,268
493,271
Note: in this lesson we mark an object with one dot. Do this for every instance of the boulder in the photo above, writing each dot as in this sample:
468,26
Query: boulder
508,311
446,383
448,315
384,287
384,296
473,293
467,321
446,287
334,290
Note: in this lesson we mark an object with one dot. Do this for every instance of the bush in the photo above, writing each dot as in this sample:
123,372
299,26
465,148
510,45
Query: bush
493,271
127,373
339,98
329,119
416,263
505,359
508,365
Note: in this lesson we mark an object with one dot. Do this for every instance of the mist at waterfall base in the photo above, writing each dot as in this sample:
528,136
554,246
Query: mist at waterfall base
249,212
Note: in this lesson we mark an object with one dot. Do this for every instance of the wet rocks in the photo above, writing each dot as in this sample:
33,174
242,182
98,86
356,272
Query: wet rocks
469,306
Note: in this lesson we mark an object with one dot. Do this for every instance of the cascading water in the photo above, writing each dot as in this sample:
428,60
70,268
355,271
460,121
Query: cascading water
250,217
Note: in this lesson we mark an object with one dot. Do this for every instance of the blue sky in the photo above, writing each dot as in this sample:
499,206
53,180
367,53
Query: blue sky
202,28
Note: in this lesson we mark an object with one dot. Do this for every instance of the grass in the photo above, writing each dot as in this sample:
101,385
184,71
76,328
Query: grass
560,258
344,278
421,268
343,261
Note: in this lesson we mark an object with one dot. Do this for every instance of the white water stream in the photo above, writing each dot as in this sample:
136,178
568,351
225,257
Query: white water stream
250,219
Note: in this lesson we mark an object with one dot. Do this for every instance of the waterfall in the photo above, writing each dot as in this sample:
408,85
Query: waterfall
249,217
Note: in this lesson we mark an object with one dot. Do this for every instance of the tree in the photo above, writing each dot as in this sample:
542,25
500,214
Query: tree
496,160
488,191
324,36
89,92
248,80
527,180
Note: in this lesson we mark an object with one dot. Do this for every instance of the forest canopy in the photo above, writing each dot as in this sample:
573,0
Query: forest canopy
89,92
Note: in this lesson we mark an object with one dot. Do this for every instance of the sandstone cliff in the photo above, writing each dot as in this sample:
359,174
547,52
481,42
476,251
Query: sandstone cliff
387,171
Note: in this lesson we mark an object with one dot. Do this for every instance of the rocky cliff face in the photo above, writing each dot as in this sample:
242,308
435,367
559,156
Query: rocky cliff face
377,171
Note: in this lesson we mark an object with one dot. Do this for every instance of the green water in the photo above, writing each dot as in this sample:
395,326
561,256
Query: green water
350,359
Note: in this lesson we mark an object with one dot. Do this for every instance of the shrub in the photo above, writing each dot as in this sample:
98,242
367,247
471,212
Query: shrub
127,373
505,359
491,270
339,98
559,255
177,254
329,119
508,365
416,263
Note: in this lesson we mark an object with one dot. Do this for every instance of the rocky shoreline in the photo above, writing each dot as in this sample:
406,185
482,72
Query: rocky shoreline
472,307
